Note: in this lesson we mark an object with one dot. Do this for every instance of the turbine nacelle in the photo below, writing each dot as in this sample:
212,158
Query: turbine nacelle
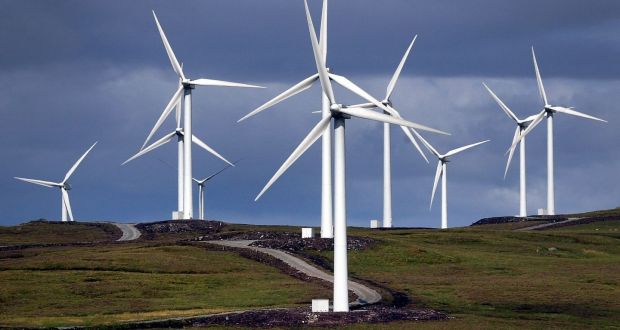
66,186
335,107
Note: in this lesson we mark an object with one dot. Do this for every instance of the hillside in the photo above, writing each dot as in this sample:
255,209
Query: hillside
484,276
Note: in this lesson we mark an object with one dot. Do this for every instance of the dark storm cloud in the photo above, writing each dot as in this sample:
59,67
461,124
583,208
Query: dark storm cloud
72,72
259,39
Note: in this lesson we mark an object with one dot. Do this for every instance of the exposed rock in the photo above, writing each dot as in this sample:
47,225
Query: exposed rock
181,226
297,244
291,318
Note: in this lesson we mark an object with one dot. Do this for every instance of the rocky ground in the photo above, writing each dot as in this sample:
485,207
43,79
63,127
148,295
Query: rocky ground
559,219
293,317
152,229
297,244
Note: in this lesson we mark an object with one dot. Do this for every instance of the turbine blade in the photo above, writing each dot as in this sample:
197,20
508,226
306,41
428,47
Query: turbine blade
426,144
204,146
298,88
408,133
176,99
173,59
438,173
533,124
306,143
363,105
501,104
461,149
74,167
541,87
512,149
152,147
65,198
348,84
392,84
323,32
576,113
218,172
221,83
318,59
372,115
48,184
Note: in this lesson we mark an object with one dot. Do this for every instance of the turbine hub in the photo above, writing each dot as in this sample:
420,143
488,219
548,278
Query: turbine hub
187,84
335,107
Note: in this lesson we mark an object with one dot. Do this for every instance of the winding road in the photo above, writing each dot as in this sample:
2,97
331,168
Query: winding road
365,294
130,232
549,224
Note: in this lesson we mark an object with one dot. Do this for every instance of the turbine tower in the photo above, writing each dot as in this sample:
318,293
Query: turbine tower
201,191
441,171
67,213
549,111
387,158
522,125
327,226
185,90
339,113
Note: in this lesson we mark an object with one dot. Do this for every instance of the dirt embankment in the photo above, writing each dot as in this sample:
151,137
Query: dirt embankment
153,230
262,258
297,244
289,318
556,221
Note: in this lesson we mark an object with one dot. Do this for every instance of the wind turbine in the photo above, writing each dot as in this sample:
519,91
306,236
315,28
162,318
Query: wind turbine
339,113
549,111
387,158
442,168
327,226
201,191
185,90
326,176
522,125
67,213
180,135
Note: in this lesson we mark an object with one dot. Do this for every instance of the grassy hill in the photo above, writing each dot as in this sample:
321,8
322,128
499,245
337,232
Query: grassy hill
105,284
53,232
487,276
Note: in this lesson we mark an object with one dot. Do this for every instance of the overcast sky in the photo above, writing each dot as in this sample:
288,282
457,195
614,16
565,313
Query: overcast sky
75,72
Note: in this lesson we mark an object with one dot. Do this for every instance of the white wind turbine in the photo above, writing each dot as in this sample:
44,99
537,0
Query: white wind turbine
339,113
201,191
522,125
442,172
327,226
67,213
185,90
548,111
326,191
387,158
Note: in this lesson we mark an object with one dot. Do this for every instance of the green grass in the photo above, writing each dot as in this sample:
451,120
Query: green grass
484,277
602,213
39,232
511,279
116,283
609,227
507,226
